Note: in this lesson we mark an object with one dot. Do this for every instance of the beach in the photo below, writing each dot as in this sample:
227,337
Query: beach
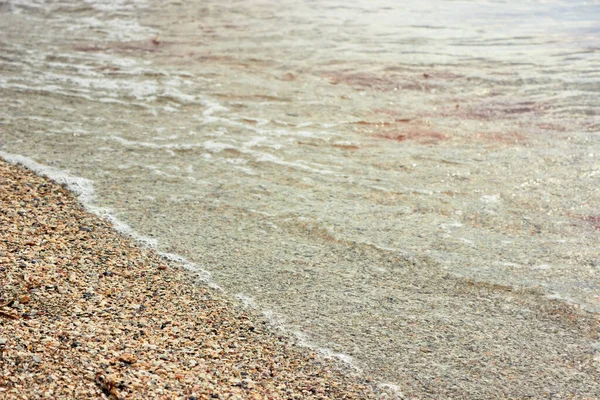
86,313
409,190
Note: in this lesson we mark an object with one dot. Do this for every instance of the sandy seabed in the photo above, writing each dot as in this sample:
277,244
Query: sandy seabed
87,313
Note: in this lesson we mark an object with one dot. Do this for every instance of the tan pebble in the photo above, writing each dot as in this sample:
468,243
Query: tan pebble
128,358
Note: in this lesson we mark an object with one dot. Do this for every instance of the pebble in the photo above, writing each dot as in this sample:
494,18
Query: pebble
136,332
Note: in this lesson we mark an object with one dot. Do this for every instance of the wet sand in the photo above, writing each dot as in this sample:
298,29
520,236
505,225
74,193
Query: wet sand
88,313
343,168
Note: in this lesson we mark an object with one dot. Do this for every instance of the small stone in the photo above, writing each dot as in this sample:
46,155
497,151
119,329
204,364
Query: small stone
128,358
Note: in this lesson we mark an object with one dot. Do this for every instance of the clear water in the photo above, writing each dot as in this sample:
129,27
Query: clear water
311,154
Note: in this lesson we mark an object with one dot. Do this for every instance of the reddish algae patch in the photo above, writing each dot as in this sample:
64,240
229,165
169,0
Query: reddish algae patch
510,138
492,110
346,146
551,127
593,220
377,81
422,136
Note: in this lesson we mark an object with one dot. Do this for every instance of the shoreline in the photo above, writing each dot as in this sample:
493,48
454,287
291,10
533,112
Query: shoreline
87,313
95,315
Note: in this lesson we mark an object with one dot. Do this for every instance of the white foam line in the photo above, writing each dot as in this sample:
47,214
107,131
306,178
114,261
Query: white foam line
116,5
395,389
247,301
325,352
84,190
203,275
277,321
216,147
212,106
149,145
53,89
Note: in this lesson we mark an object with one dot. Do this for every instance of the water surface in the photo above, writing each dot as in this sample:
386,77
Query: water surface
315,156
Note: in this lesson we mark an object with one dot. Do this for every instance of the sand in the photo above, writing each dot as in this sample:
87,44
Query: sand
87,313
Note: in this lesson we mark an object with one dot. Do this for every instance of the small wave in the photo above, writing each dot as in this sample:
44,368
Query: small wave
150,145
84,190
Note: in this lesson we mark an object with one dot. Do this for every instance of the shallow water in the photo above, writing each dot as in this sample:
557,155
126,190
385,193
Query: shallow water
313,156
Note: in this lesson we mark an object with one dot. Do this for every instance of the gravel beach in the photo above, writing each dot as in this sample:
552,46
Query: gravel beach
300,199
86,313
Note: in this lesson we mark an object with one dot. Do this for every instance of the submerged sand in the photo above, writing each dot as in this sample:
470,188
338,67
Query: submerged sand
86,313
